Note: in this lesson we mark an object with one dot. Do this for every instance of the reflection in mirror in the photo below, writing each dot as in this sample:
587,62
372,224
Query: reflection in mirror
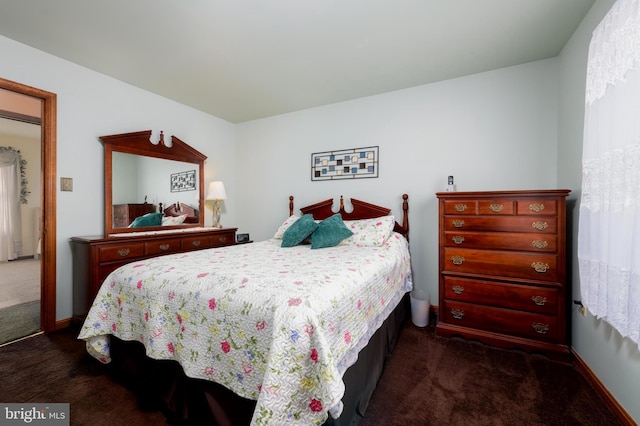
151,185
142,185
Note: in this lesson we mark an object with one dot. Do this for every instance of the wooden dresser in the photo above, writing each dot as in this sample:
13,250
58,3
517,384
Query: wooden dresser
123,214
502,260
96,257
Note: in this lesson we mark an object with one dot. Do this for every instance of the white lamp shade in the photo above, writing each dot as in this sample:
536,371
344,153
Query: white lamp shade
216,191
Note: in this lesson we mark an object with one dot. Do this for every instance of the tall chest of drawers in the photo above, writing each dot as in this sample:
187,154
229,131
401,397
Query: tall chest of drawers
502,260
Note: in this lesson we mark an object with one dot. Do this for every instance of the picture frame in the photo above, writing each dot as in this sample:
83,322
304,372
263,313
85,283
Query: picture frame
183,181
354,163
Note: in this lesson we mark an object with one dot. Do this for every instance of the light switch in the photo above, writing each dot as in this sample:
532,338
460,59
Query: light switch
66,184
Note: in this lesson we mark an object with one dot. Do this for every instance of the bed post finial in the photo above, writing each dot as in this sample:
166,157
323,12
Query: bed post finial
405,216
290,205
341,204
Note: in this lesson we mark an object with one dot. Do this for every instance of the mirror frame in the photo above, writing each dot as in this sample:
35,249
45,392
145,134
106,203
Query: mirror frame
140,143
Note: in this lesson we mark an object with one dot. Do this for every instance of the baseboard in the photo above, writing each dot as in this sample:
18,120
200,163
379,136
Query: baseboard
64,323
602,391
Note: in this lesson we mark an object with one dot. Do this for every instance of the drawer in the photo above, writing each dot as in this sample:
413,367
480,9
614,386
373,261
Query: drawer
120,216
502,241
505,321
546,225
501,263
223,239
543,300
537,207
460,207
496,207
120,251
196,243
164,246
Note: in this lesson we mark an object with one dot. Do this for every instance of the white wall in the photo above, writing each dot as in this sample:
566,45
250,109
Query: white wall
91,105
492,131
616,361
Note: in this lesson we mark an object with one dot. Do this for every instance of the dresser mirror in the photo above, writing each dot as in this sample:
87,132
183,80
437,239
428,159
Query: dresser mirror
161,179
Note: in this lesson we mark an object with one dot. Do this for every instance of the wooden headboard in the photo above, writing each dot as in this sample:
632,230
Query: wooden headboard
178,209
361,210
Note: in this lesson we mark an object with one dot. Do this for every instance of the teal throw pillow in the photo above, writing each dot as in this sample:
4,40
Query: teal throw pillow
298,231
149,219
330,232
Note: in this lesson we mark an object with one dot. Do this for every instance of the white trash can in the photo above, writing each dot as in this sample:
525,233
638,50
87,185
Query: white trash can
420,308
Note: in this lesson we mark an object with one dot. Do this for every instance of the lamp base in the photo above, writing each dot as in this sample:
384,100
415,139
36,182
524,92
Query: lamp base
216,214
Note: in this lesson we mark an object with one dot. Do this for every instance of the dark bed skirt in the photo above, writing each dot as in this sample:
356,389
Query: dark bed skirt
162,385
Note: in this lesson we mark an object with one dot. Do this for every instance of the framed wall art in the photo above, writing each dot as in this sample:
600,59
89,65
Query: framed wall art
183,181
352,163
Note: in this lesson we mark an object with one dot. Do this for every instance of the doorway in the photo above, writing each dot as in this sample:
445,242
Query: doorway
48,201
20,226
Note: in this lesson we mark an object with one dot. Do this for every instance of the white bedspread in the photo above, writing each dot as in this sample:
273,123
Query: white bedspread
277,325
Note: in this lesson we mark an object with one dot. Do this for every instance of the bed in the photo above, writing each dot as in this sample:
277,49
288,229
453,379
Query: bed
260,333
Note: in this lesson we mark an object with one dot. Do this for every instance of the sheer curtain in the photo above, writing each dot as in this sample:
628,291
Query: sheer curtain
10,212
609,230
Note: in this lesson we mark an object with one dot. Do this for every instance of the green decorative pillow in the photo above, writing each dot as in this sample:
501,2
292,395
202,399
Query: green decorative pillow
330,232
298,231
149,219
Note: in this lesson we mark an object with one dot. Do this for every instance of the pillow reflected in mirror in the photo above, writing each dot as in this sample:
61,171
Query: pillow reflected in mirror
149,219
173,220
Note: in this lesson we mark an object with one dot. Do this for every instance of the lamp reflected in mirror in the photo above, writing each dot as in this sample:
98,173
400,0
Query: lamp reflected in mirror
216,193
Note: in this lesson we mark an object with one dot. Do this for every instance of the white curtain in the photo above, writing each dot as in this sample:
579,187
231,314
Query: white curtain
10,212
609,229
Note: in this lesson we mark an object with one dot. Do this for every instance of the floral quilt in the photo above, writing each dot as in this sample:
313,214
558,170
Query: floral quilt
272,324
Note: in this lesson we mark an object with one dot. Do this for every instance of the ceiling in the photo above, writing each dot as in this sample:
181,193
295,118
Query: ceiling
246,59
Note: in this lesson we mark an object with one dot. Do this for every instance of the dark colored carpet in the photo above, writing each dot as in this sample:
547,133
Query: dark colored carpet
19,321
429,381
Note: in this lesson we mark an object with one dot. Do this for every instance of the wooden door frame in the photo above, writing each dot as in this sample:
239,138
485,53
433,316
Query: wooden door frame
47,199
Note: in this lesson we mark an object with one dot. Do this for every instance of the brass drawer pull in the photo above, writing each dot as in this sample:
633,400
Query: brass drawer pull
496,208
222,239
536,207
457,260
124,252
540,328
539,226
458,223
164,247
196,243
540,267
457,313
539,244
539,300
458,239
457,289
460,207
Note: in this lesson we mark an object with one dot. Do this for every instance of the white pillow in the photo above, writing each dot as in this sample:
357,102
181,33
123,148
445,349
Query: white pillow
173,220
287,223
369,232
